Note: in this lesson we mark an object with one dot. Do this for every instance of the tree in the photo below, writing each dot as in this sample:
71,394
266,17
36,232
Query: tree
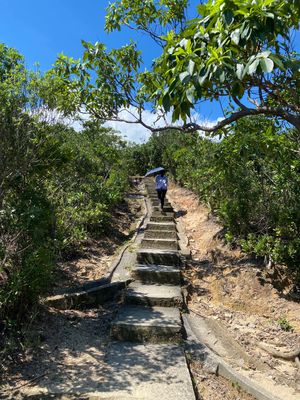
57,186
249,179
238,49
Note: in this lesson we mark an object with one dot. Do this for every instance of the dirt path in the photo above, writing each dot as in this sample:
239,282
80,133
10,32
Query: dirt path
231,288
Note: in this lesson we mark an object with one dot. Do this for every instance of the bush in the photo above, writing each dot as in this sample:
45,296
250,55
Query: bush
249,178
57,186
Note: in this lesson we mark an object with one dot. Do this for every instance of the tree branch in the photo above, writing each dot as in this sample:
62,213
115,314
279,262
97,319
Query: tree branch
239,103
279,112
293,119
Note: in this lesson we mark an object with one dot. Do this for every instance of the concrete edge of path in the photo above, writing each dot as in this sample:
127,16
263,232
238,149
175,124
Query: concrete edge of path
100,290
183,241
215,364
140,222
86,298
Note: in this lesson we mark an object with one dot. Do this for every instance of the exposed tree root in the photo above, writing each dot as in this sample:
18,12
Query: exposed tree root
291,355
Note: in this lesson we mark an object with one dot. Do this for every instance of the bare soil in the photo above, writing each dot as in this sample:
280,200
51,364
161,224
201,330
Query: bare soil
238,291
59,343
212,387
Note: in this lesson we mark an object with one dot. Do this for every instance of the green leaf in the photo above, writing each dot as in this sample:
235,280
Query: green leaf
235,36
190,94
238,89
229,17
202,79
252,67
176,114
244,32
191,67
184,77
166,103
201,9
277,61
266,65
222,77
239,71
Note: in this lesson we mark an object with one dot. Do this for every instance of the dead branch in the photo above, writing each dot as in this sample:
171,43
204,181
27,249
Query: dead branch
291,355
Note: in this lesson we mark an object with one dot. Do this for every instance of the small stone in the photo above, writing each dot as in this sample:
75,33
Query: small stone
210,365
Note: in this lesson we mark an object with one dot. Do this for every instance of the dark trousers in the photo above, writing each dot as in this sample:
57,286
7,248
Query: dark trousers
161,194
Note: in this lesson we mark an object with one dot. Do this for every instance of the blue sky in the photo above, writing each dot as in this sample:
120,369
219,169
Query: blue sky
41,29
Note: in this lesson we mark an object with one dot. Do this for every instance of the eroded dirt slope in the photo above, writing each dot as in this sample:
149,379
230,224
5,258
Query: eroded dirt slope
232,288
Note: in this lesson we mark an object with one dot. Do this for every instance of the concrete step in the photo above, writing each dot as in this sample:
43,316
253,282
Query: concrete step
168,209
162,217
156,203
159,212
155,199
143,324
157,274
128,371
154,256
160,234
165,244
161,226
154,295
152,192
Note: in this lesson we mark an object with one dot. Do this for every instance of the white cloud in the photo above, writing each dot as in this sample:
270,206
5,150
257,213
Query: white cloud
132,132
138,133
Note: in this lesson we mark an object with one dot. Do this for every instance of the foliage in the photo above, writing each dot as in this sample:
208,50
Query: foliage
90,184
57,186
285,325
249,178
100,84
239,50
152,17
235,48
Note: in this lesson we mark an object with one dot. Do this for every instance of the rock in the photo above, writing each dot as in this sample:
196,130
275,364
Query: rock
210,365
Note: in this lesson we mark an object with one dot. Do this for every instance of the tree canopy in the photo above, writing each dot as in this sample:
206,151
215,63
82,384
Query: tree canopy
235,49
238,49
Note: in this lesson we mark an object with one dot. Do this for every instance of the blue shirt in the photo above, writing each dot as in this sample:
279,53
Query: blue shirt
161,182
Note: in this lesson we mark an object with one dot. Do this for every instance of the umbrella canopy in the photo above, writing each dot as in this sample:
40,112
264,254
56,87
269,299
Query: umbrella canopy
154,171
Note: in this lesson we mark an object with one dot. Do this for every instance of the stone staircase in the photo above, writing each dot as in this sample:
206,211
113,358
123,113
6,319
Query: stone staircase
151,311
146,359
